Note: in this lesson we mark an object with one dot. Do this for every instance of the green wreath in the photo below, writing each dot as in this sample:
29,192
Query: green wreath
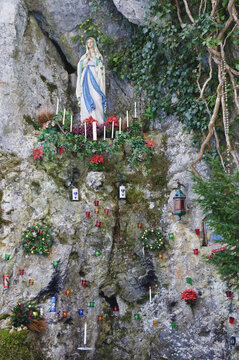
153,239
37,240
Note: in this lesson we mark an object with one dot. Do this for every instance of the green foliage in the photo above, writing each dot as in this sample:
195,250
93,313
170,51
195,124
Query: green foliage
165,59
134,139
37,239
219,200
23,314
17,346
153,239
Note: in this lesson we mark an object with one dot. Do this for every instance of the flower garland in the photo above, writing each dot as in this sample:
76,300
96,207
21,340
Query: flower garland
37,240
190,297
153,239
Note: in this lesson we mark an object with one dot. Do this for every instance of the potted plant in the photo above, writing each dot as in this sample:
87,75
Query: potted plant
96,162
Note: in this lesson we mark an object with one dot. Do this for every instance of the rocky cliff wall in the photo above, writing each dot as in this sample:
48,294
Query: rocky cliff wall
36,67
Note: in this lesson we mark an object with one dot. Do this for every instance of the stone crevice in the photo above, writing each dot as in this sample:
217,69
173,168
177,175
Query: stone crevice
49,34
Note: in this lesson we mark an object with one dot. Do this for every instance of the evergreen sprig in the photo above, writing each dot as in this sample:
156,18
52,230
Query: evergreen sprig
219,200
37,239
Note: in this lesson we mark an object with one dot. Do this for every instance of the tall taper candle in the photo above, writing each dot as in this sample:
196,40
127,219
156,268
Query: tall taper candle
85,131
94,128
85,331
150,294
71,123
64,116
127,118
135,112
57,106
104,132
112,135
120,126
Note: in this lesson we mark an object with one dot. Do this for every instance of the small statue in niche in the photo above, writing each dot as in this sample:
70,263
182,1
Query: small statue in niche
90,87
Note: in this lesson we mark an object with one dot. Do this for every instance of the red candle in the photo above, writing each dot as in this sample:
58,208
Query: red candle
6,281
96,202
195,251
87,213
83,282
231,320
197,231
106,211
115,308
21,272
98,223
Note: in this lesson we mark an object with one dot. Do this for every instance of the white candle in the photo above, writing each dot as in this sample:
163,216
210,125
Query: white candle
71,123
150,294
122,192
112,135
143,251
57,106
104,132
135,112
120,125
127,118
75,194
64,116
94,131
85,131
85,331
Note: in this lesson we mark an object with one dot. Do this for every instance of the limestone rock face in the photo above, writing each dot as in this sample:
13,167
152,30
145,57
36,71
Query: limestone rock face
35,67
133,10
31,74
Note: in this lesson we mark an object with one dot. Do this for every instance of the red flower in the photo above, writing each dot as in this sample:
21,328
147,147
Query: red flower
90,120
112,119
34,247
149,144
189,295
28,240
41,231
61,149
37,153
97,159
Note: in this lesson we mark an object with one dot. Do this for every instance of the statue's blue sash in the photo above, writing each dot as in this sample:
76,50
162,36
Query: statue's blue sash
89,101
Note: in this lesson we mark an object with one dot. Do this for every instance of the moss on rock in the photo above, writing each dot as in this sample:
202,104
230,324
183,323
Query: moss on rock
18,346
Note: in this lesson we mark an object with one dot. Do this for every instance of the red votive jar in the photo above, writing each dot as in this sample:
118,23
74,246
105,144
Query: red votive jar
229,294
87,214
195,251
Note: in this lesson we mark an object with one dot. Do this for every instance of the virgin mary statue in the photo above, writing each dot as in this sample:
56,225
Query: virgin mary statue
90,88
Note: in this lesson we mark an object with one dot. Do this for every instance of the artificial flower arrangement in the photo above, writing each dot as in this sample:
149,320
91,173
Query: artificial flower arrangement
28,315
217,251
37,239
75,141
96,162
190,297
